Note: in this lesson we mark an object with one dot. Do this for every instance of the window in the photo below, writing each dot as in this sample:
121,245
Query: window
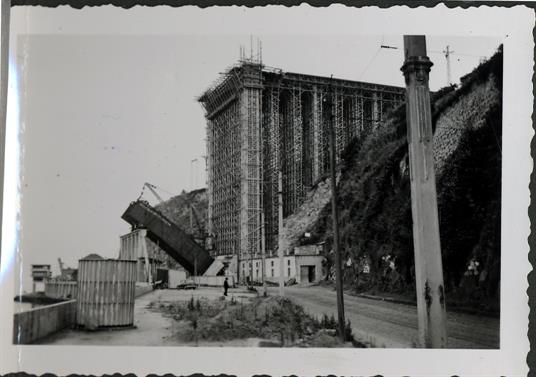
289,271
273,272
288,262
272,263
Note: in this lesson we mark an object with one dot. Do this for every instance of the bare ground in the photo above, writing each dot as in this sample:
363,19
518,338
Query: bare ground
374,323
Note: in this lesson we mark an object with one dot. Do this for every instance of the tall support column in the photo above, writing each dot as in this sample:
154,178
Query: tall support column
297,168
242,252
271,150
375,110
337,109
263,254
250,172
360,124
316,127
352,122
323,135
428,265
250,270
210,185
280,251
287,151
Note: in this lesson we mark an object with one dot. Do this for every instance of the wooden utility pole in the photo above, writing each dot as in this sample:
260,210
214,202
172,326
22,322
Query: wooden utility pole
335,216
195,271
263,255
428,265
250,285
447,53
280,251
238,260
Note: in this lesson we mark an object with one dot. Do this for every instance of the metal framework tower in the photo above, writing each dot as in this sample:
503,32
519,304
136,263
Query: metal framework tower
261,120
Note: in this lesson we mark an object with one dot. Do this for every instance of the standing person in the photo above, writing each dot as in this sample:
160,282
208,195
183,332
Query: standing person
225,287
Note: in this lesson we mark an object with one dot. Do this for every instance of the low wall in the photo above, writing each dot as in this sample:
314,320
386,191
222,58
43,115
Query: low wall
213,281
34,324
142,289
61,289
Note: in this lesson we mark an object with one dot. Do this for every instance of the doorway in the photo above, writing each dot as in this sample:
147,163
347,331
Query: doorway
307,274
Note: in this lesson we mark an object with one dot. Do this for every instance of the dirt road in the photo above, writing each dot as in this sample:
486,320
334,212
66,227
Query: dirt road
388,324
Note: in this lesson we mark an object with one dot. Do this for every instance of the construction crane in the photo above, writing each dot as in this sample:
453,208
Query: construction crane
193,212
202,235
151,188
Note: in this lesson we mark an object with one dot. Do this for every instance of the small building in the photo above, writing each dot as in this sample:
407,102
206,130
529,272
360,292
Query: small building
40,273
137,247
177,277
304,265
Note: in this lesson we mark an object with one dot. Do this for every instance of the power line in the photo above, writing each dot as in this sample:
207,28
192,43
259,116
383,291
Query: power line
388,47
369,63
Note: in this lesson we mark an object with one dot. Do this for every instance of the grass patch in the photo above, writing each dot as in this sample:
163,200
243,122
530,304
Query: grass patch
277,322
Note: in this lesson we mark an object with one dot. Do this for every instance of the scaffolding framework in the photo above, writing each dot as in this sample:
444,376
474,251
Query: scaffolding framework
262,120
251,160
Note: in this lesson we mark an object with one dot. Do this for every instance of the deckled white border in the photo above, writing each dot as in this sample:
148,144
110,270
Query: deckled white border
514,25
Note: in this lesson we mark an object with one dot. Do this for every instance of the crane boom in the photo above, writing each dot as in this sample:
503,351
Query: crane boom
193,210
152,189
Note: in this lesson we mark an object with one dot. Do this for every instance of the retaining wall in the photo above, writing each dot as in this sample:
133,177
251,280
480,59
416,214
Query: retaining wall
34,324
468,112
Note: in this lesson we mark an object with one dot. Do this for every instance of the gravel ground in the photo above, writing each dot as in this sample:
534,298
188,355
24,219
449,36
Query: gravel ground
151,327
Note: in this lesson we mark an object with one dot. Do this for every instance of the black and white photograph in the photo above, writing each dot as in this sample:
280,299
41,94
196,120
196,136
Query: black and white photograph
262,187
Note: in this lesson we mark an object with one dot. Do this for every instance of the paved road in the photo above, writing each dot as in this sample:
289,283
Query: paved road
387,324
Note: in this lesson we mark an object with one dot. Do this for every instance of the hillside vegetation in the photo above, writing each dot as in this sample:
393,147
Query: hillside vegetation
375,202
179,210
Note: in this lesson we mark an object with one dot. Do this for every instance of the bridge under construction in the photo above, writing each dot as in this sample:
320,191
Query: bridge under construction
262,121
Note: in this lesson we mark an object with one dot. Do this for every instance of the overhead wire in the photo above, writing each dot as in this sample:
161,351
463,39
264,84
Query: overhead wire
369,63
391,47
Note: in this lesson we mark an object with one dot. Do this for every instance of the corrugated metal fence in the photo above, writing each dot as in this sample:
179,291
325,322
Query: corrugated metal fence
61,289
106,293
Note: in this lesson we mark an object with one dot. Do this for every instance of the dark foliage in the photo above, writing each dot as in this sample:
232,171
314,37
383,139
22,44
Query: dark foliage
375,201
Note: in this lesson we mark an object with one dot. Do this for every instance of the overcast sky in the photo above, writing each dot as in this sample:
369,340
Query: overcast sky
103,114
